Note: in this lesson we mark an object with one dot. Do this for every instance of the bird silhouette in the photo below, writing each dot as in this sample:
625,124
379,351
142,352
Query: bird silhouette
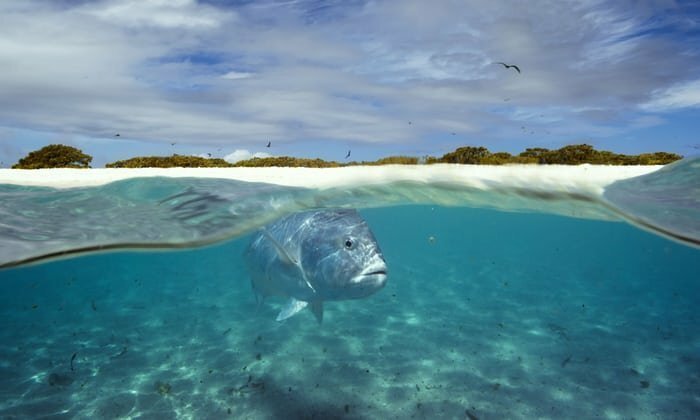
117,135
269,143
507,66
348,155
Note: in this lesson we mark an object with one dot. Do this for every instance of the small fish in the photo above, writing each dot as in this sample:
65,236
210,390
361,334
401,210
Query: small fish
471,415
566,361
121,353
315,256
71,361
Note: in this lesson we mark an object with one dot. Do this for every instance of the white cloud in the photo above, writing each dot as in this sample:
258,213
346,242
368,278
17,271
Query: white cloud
156,13
683,95
188,72
243,154
234,75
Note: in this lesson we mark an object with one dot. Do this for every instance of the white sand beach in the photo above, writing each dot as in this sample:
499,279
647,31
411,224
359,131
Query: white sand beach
585,179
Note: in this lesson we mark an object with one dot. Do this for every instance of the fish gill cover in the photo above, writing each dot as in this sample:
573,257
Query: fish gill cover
38,223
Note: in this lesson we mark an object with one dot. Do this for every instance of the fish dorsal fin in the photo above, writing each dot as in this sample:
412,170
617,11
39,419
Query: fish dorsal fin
291,308
317,309
287,258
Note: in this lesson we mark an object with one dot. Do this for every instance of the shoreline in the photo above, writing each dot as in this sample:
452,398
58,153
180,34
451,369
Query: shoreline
580,178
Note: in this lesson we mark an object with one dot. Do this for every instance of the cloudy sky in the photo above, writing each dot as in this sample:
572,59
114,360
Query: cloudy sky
318,78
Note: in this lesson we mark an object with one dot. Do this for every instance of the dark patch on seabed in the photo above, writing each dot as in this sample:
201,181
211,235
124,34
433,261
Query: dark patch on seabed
486,315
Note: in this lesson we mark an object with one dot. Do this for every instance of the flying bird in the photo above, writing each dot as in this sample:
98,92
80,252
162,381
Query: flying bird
117,135
348,155
269,143
507,66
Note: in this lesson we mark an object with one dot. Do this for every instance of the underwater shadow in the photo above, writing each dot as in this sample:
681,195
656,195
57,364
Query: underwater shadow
291,403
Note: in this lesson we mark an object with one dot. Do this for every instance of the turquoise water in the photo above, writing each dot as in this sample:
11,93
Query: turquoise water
486,314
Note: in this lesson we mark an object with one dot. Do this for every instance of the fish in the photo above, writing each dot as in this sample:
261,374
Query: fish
315,256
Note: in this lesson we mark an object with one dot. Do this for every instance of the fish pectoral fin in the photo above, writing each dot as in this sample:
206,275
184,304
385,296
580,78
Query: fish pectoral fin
291,308
317,309
281,251
288,259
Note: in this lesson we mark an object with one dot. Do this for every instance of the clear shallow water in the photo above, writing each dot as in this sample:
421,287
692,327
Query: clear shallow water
499,315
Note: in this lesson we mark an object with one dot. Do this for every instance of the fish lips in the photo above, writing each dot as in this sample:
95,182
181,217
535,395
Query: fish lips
369,282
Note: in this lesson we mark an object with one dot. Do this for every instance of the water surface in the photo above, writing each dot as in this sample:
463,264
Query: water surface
487,313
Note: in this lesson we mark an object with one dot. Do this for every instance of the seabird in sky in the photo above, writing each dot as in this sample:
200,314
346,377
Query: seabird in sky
509,66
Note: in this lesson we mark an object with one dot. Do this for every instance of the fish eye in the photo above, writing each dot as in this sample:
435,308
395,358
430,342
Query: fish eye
349,243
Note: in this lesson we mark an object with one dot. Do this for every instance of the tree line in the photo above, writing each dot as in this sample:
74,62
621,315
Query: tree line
62,156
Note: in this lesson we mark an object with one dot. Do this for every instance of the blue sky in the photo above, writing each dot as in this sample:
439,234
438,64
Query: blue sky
319,78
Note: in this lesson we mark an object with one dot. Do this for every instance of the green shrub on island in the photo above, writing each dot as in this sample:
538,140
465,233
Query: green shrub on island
584,153
568,155
174,161
389,160
287,162
467,155
54,156
60,156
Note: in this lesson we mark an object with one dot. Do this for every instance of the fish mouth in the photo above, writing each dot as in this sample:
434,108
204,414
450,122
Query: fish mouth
376,272
375,277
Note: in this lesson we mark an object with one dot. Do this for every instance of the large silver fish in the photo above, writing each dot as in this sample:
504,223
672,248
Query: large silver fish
314,256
